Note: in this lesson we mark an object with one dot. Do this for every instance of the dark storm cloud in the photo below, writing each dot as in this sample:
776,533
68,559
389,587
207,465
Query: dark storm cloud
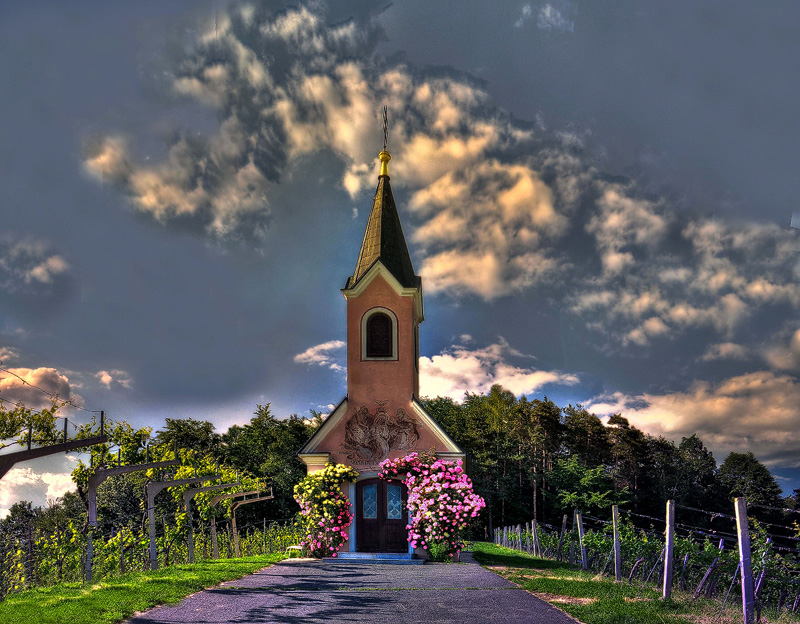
500,208
245,66
35,281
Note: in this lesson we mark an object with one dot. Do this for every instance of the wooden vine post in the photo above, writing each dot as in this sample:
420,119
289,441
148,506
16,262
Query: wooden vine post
537,544
579,523
617,545
670,535
213,523
561,537
8,460
743,540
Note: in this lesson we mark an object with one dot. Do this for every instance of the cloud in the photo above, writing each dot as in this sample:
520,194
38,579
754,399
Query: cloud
756,411
29,267
499,207
550,18
322,355
119,377
726,351
58,484
21,384
672,272
459,369
486,229
786,357
26,484
527,12
220,184
6,354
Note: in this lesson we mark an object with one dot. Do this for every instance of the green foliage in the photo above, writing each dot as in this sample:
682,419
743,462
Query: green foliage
189,434
532,459
741,474
130,444
17,422
583,488
266,447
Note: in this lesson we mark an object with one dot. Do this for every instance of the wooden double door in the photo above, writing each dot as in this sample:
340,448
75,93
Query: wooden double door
381,516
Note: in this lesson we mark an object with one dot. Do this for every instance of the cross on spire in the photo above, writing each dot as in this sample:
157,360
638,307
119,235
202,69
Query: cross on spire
385,129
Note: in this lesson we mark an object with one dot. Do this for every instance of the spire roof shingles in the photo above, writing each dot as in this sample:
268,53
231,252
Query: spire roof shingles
384,240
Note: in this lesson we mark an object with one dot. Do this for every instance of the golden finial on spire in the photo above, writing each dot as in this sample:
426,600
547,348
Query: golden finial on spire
385,158
384,155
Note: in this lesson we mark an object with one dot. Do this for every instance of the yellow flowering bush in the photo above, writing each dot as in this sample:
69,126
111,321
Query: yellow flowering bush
325,512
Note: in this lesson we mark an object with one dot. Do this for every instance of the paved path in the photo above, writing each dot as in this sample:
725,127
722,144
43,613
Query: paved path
308,592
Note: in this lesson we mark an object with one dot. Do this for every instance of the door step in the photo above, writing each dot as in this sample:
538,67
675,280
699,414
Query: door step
390,558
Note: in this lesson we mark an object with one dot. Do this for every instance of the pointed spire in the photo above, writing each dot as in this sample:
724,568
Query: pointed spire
383,238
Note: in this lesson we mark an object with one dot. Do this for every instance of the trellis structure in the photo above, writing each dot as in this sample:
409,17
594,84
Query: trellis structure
100,475
154,488
188,495
235,506
8,460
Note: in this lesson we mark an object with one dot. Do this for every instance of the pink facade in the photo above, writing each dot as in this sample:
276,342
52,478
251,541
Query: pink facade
368,380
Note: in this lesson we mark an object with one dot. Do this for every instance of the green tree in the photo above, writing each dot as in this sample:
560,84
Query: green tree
587,489
628,447
659,465
129,444
585,436
18,422
538,428
741,474
189,434
695,478
267,447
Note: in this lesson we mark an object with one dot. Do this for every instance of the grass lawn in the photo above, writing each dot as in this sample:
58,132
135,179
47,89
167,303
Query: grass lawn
119,598
595,600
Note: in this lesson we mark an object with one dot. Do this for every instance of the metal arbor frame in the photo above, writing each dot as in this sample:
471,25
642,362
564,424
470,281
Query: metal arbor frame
154,488
7,461
235,506
94,482
188,495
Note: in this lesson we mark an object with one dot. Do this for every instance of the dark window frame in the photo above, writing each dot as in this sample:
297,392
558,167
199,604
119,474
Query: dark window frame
379,336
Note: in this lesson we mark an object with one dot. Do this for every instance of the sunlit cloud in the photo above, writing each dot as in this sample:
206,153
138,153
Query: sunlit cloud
786,356
551,18
30,267
753,412
8,355
325,354
26,484
26,385
460,369
726,351
119,377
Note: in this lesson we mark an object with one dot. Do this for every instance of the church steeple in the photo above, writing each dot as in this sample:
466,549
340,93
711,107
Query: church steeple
383,238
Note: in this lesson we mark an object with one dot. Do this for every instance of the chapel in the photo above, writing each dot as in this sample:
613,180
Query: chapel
381,416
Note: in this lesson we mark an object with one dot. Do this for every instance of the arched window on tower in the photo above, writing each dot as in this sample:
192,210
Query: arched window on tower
380,336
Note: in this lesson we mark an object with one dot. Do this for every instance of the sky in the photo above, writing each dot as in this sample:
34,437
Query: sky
598,197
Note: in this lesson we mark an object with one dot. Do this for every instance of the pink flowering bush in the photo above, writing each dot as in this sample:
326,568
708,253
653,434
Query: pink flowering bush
441,501
325,511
